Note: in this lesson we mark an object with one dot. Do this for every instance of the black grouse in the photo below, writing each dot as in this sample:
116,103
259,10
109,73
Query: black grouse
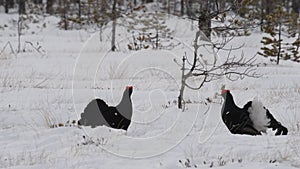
252,119
98,113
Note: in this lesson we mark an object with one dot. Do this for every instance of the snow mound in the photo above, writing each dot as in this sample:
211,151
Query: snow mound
258,115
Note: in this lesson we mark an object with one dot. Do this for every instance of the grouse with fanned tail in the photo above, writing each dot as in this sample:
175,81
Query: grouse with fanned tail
252,119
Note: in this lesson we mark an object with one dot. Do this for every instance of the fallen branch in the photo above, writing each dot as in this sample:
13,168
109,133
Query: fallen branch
38,84
38,48
8,44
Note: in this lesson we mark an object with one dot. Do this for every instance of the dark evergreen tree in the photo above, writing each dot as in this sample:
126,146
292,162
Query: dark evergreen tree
49,7
22,9
281,25
38,1
6,6
296,6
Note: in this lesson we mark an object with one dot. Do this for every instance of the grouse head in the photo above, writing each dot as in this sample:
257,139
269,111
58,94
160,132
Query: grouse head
129,89
225,92
228,100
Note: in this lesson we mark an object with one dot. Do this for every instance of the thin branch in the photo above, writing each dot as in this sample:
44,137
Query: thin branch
178,64
37,48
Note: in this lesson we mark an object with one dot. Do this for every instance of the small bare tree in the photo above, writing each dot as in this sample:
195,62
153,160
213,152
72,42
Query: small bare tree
233,68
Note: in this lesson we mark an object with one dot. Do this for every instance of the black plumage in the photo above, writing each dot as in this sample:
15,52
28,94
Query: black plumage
98,113
238,120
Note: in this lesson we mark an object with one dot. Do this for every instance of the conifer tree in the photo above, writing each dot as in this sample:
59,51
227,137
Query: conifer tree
150,26
280,27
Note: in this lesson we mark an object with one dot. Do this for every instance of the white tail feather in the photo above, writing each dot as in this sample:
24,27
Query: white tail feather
258,115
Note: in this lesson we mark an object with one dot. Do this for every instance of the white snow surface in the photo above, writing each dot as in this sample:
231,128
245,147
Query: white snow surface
258,115
52,86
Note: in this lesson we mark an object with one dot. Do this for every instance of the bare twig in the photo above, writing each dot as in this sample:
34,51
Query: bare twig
38,48
38,84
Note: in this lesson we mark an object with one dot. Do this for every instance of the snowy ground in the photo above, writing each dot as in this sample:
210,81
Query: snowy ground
39,89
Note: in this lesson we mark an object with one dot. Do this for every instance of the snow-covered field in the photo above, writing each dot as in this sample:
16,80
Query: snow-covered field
52,86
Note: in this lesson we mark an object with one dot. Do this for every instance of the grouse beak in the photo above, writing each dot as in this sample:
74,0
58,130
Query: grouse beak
130,89
224,91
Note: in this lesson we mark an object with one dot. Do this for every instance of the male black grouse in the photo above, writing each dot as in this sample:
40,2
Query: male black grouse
252,119
98,113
